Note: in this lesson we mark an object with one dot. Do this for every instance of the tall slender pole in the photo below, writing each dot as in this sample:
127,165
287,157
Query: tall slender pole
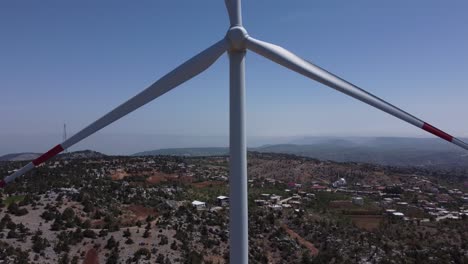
238,225
238,214
65,135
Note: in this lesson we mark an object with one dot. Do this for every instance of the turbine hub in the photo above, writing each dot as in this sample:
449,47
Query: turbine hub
237,36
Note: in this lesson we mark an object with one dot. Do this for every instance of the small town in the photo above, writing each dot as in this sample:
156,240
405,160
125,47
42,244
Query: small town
86,206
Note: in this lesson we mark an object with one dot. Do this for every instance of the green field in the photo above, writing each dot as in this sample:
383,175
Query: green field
13,199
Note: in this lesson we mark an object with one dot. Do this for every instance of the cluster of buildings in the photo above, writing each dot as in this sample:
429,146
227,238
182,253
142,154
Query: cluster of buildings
275,202
416,196
221,202
433,200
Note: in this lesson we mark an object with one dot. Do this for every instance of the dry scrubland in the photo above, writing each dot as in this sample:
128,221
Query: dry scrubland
138,210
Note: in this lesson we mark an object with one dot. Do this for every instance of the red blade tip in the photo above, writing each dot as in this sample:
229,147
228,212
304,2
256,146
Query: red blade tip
48,155
437,132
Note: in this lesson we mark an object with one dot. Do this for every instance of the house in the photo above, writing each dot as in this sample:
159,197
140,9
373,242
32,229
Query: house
275,198
295,203
223,200
388,200
448,216
296,197
260,202
275,207
216,209
199,205
398,215
358,201
339,183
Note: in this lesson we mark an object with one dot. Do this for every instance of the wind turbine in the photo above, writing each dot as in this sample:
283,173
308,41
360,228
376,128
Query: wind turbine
236,43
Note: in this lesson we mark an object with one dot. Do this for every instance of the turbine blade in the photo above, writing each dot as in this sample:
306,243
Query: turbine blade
234,11
289,60
184,72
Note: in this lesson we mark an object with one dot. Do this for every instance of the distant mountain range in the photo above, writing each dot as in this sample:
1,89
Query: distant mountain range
419,152
70,155
19,156
195,152
392,151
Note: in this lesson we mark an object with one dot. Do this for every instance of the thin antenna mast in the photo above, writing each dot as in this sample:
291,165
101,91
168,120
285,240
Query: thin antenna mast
64,138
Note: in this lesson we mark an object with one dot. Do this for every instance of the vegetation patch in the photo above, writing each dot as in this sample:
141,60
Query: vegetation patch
367,222
13,199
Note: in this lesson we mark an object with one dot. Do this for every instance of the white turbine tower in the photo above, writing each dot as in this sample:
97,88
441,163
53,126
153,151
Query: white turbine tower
236,42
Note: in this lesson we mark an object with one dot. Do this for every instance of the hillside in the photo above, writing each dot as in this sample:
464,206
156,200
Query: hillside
404,152
82,154
19,156
419,152
215,151
141,210
69,155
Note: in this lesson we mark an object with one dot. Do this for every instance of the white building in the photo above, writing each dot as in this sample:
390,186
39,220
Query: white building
398,214
275,198
199,205
275,207
339,183
223,200
358,201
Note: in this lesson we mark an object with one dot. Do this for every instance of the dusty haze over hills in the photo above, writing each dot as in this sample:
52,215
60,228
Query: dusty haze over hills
124,144
127,144
393,151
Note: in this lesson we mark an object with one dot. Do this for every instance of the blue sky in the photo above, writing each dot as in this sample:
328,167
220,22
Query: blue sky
73,61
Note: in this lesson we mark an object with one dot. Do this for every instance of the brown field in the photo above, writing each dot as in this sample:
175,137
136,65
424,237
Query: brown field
367,222
142,212
91,257
341,204
154,177
158,177
313,250
214,259
205,184
118,175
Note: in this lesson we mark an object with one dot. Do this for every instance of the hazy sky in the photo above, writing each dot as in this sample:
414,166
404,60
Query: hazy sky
73,61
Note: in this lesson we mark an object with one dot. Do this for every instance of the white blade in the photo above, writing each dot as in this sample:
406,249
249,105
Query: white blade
183,73
234,11
297,64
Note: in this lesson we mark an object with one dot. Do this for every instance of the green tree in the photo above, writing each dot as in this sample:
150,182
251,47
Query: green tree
39,243
140,253
112,243
113,257
89,233
127,233
68,214
63,259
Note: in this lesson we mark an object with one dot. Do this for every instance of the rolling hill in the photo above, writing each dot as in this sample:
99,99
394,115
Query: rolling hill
419,152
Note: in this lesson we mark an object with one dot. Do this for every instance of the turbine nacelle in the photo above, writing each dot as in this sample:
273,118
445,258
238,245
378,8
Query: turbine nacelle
237,37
